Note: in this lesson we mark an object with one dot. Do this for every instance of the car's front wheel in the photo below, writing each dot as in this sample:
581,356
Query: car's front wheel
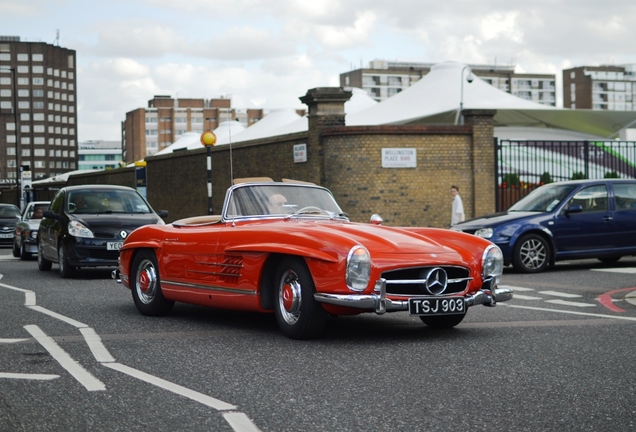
66,269
145,285
531,254
298,314
24,255
43,263
443,321
16,251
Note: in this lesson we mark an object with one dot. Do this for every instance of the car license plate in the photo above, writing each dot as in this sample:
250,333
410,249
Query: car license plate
436,306
114,245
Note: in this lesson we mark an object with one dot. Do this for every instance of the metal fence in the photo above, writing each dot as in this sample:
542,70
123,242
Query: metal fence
522,166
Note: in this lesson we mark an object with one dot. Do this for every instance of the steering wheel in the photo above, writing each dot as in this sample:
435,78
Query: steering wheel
309,209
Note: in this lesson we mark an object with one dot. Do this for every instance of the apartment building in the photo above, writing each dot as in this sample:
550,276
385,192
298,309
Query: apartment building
383,79
611,88
99,155
38,109
148,130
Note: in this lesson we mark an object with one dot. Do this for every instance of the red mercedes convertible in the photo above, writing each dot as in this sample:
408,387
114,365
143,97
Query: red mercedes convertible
287,247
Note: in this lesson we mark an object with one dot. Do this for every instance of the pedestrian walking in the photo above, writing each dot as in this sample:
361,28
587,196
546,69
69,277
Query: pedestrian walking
457,209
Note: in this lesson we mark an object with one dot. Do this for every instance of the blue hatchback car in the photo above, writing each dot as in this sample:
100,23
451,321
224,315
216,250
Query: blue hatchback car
563,221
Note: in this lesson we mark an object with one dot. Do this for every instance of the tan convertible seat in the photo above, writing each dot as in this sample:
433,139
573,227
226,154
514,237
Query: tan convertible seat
197,220
253,180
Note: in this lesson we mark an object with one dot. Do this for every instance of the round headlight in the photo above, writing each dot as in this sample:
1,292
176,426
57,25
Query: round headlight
492,263
484,233
358,268
77,229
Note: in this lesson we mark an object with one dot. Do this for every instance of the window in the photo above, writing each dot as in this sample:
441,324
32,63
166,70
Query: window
38,140
39,128
23,69
5,81
38,117
39,152
37,57
24,105
23,92
593,198
6,105
5,93
26,152
11,151
38,69
38,93
38,105
23,57
25,117
25,140
5,57
38,81
23,81
25,128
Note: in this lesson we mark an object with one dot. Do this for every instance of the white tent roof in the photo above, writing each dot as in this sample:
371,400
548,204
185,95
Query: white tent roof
227,130
272,121
359,101
436,98
61,177
187,141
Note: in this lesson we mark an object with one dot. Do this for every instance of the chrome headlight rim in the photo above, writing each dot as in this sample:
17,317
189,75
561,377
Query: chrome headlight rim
358,269
492,263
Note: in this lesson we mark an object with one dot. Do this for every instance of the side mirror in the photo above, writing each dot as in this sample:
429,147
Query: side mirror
162,214
574,208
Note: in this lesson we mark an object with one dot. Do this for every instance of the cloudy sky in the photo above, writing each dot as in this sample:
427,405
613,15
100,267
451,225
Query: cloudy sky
268,53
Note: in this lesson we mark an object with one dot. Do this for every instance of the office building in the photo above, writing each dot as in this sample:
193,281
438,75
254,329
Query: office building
99,155
383,79
38,109
611,88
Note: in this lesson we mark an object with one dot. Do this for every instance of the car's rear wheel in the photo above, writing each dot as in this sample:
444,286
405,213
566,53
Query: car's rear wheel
298,314
66,269
43,263
443,321
145,285
531,254
24,255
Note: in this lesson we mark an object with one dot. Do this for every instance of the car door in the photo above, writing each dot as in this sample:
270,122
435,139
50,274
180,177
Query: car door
50,228
624,199
581,232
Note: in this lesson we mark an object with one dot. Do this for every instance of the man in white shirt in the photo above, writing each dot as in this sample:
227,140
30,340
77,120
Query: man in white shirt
457,211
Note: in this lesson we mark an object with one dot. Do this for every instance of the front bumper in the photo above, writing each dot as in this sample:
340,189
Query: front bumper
378,303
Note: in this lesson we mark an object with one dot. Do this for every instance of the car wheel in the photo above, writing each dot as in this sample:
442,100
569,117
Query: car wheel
24,255
531,254
146,285
66,270
43,263
609,260
298,314
16,251
443,321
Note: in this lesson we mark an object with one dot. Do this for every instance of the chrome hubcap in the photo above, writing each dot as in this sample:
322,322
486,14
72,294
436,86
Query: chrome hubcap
289,297
146,283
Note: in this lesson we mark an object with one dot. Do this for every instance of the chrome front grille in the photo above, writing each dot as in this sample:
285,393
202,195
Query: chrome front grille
412,281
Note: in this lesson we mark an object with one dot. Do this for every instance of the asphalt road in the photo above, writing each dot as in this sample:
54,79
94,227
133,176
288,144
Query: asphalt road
75,355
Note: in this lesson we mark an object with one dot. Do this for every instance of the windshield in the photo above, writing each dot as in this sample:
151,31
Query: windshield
97,201
9,212
543,199
281,200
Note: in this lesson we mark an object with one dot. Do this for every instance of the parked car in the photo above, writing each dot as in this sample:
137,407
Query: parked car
9,216
86,225
288,248
25,235
563,221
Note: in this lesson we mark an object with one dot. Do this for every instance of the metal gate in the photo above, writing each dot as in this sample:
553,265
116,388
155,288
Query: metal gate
522,166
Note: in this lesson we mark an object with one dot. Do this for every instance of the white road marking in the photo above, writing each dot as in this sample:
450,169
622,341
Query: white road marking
516,288
74,368
525,297
40,377
11,340
569,303
617,317
628,270
58,316
96,346
175,388
559,294
240,422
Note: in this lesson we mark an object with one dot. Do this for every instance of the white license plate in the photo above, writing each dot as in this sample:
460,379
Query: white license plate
114,245
6,235
437,306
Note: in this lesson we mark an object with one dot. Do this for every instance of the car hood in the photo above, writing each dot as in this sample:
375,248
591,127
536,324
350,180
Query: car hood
494,219
116,222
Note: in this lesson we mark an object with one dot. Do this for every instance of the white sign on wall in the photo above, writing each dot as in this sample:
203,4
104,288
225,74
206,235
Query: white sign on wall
300,153
399,158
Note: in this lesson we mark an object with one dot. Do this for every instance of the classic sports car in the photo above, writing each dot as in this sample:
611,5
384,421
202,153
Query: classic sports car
25,236
287,247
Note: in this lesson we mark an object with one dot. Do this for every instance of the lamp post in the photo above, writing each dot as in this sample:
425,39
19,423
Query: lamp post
208,139
470,77
17,130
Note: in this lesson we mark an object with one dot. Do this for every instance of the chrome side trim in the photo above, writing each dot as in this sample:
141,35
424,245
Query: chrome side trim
210,288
